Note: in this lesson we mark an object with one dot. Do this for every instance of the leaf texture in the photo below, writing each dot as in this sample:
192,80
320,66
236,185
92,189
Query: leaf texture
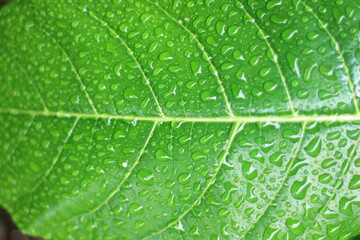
178,119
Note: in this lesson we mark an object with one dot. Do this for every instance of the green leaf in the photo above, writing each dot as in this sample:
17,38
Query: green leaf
180,119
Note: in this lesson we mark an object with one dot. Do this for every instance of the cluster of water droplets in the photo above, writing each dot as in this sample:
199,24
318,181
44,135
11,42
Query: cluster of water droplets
193,58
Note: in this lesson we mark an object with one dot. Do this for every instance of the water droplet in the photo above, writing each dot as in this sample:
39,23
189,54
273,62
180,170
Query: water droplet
210,40
208,96
289,35
196,68
249,170
220,28
277,158
328,72
119,134
313,36
255,154
184,178
327,163
223,212
140,224
255,60
165,56
295,226
233,30
354,182
198,156
270,87
130,93
136,209
291,135
273,3
325,178
162,155
314,147
265,72
146,177
145,17
299,188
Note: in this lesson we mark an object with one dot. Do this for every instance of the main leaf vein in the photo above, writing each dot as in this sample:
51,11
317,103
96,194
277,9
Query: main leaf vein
250,119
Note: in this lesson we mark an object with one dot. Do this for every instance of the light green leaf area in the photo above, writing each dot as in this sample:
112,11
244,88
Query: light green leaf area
174,119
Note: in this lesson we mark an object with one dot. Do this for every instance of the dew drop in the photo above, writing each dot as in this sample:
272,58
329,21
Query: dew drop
146,177
314,147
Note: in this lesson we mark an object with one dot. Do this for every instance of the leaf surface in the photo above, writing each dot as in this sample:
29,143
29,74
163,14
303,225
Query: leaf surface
181,119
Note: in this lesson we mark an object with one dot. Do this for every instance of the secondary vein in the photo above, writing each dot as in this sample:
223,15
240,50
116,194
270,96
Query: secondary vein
207,56
21,139
282,76
338,51
73,69
282,184
118,187
338,184
233,133
22,69
57,157
130,52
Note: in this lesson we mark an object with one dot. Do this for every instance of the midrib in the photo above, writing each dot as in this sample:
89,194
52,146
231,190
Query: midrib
254,119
